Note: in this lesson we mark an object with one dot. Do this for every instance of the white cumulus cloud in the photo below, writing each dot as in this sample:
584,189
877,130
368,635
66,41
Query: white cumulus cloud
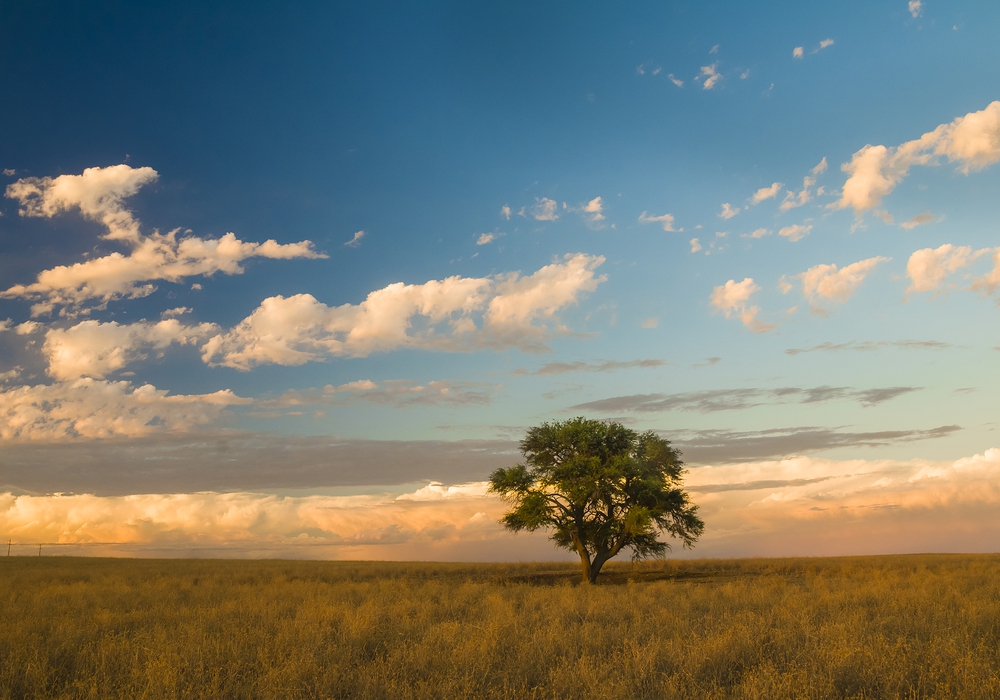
728,211
94,408
832,284
93,349
594,208
765,193
98,194
733,298
971,141
927,268
454,314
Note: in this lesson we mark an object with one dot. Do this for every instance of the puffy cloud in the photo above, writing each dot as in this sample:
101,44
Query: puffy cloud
766,192
356,240
695,245
710,75
513,311
676,81
990,282
796,232
155,257
728,211
795,505
918,220
798,52
667,220
971,141
505,212
733,298
99,193
93,349
593,208
927,268
435,517
544,209
759,233
793,199
825,43
485,238
93,408
830,283
916,8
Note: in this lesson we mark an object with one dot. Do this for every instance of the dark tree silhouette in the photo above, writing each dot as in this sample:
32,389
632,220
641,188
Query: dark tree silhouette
601,488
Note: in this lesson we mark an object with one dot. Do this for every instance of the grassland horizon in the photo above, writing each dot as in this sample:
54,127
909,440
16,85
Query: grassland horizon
827,627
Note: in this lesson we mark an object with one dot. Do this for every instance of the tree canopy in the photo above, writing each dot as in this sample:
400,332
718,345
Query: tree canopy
601,488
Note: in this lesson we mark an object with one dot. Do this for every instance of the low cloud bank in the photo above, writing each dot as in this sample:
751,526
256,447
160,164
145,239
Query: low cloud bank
795,506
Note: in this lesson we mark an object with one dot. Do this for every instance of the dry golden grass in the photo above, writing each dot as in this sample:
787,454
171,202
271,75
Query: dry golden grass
876,627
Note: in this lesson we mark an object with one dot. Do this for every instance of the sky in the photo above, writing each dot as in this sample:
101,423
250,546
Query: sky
291,280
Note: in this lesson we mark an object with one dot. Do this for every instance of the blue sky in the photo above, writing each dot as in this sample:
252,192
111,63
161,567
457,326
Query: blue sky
576,183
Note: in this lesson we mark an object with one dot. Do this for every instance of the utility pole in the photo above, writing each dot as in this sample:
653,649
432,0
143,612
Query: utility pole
8,548
39,550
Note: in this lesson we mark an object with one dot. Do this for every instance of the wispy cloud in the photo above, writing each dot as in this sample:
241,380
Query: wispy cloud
918,220
554,368
393,392
712,401
871,346
796,232
544,209
916,8
710,75
356,240
666,220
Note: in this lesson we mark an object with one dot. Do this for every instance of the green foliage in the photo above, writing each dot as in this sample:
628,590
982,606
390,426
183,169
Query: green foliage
864,627
601,488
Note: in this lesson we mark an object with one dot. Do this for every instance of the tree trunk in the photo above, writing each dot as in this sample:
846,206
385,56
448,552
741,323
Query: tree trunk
585,566
595,566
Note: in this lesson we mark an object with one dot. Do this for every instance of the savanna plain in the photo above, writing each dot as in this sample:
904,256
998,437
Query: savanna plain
863,627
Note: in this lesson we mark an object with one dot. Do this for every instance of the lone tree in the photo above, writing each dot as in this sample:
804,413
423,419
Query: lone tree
601,487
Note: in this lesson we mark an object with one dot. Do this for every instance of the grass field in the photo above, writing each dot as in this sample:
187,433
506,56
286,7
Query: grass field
873,627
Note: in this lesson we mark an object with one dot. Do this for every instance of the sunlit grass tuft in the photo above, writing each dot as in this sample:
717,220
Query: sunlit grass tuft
878,627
